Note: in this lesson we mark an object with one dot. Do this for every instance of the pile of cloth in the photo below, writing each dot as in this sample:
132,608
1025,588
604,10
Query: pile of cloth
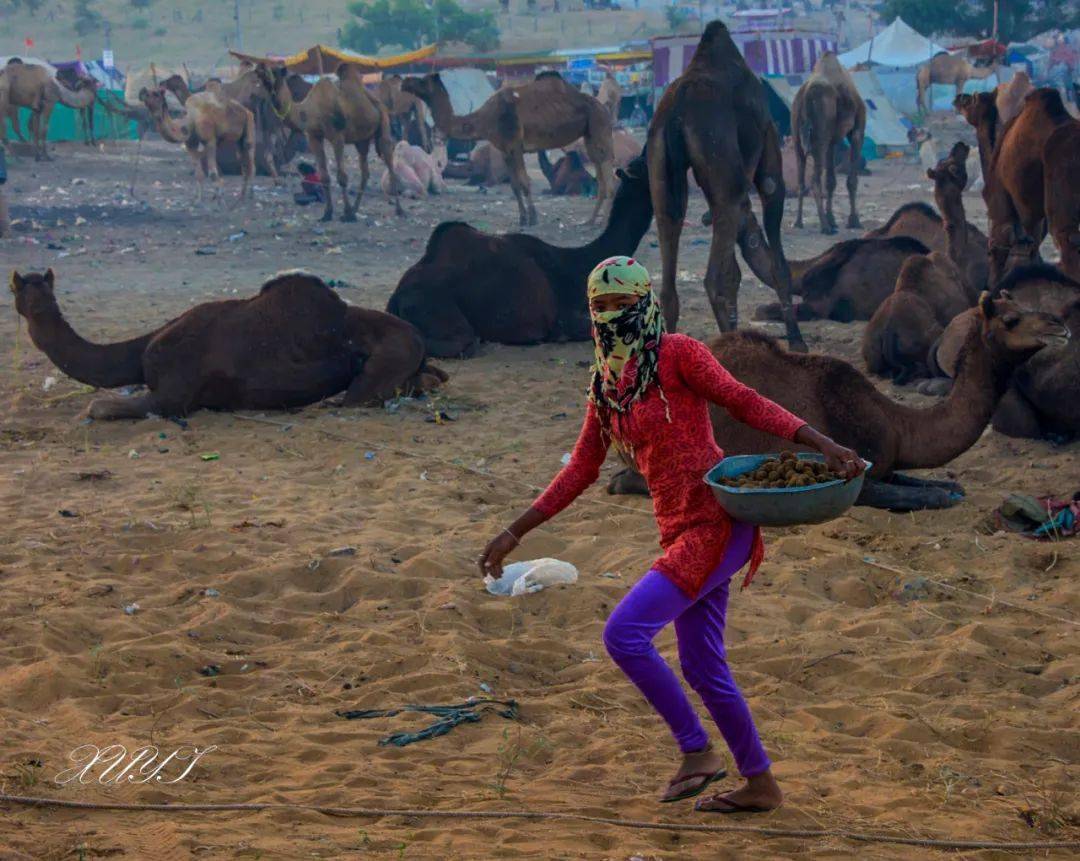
1042,518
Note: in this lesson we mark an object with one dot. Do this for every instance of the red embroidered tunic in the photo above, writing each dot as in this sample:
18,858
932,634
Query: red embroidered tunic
674,457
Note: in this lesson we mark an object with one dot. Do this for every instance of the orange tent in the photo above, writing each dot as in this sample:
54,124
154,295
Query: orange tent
323,60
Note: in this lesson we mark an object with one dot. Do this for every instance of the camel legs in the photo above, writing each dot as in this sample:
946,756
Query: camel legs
600,154
722,275
212,168
822,163
830,183
384,146
196,157
855,142
769,182
800,155
317,145
362,149
136,407
385,372
905,493
338,145
519,182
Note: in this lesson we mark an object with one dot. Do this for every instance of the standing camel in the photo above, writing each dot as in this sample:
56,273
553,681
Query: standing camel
543,114
827,109
210,119
949,69
610,96
341,113
401,105
76,82
34,88
714,120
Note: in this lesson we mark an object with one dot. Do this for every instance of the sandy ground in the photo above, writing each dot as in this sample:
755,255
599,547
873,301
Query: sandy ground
912,675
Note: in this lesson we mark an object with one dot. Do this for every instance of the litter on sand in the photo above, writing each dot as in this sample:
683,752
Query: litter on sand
521,578
449,716
1042,518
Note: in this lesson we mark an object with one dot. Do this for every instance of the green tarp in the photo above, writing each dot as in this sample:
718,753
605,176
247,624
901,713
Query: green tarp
65,125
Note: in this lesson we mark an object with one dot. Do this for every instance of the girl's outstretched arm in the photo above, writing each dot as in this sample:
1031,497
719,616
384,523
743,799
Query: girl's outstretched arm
572,480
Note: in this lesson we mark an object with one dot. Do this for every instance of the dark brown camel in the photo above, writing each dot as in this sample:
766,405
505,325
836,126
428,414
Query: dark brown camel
849,281
828,110
542,114
834,396
714,120
513,288
294,343
1061,173
568,175
1015,190
1041,400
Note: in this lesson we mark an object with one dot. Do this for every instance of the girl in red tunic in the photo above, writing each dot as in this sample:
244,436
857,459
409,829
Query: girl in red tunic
649,396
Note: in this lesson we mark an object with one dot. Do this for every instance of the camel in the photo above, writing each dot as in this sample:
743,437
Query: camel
835,397
542,114
848,281
1041,400
485,168
568,175
32,87
1009,96
714,120
610,96
948,69
624,148
275,145
980,111
403,106
419,173
342,113
293,343
826,111
965,245
1016,178
210,119
513,288
928,294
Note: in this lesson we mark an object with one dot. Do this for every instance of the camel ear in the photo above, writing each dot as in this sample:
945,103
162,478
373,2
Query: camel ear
143,93
620,173
50,277
16,282
931,173
986,305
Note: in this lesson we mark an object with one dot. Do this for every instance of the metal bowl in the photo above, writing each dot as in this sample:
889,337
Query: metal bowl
781,506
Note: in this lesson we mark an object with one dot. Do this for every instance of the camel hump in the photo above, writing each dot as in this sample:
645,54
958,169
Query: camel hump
1019,276
1049,99
820,278
297,279
549,75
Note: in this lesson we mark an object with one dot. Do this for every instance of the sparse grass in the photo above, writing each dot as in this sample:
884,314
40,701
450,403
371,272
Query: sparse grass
510,753
188,497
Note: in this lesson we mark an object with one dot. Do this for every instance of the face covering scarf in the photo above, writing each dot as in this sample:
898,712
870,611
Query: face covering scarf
626,340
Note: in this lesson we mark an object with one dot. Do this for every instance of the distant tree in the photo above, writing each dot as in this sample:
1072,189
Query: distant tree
141,4
412,23
87,18
1018,20
676,16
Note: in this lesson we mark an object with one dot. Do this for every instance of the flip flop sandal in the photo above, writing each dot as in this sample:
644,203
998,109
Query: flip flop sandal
707,777
732,806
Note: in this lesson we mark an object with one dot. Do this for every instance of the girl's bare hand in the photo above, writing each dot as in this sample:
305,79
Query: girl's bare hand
501,546
842,460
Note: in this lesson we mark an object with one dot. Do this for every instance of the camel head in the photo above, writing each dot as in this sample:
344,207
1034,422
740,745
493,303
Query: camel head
424,88
975,107
951,171
33,292
154,101
1015,333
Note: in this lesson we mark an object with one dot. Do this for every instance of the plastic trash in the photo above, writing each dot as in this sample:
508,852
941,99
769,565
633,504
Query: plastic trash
522,578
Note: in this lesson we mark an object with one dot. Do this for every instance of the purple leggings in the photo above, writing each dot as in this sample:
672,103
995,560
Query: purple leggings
699,625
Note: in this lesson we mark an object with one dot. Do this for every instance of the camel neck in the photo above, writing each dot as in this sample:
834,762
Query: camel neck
449,123
171,130
951,205
101,365
629,220
932,437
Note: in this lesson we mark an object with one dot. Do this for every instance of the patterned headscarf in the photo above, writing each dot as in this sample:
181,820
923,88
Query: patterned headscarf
633,332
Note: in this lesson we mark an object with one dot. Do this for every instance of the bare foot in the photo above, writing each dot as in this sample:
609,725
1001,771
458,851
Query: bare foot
759,794
698,770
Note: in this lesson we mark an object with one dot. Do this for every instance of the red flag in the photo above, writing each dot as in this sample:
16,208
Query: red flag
78,52
28,42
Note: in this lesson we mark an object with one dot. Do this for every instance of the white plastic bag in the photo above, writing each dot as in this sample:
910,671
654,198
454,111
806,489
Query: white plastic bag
521,578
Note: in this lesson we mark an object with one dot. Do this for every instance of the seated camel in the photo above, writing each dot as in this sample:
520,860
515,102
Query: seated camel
419,173
568,175
928,294
1042,397
513,288
835,397
486,167
848,281
217,356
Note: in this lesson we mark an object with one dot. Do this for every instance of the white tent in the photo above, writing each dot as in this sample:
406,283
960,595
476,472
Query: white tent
896,45
468,88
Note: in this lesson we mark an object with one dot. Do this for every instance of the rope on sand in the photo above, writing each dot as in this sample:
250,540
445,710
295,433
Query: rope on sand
375,812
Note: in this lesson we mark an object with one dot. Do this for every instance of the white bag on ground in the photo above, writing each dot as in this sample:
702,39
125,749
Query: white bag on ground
521,578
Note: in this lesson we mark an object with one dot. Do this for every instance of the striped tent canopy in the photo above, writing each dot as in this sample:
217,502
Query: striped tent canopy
324,60
767,52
